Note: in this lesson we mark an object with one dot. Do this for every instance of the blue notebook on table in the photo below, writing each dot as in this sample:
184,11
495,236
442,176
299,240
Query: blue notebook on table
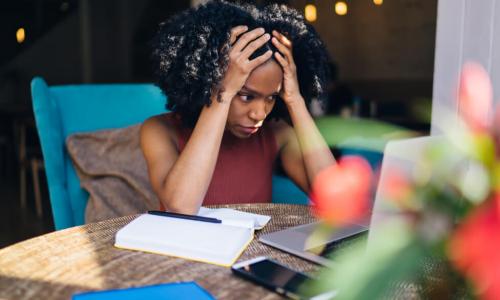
180,290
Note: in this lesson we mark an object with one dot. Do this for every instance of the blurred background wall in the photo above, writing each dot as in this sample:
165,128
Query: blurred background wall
384,53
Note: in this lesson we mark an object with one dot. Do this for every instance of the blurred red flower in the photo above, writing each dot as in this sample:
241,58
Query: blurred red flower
341,192
475,96
396,187
475,249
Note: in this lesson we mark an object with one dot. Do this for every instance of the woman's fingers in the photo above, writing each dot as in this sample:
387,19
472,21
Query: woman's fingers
283,44
256,44
282,48
283,62
236,32
254,63
246,38
283,39
284,51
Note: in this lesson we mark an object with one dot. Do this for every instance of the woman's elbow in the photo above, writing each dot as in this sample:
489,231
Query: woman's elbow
178,203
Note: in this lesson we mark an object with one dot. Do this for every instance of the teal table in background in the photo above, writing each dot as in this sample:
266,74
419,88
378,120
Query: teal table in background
360,133
359,136
346,136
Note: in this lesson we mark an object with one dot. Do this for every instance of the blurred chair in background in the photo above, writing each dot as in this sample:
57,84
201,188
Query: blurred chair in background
19,147
4,152
30,159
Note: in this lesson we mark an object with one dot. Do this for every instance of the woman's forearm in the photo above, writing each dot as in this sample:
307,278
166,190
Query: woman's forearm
186,184
315,151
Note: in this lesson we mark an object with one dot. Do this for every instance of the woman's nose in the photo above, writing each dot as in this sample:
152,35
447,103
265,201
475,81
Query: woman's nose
258,110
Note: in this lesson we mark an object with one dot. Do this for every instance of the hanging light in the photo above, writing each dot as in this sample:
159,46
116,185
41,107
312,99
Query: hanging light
20,35
341,8
64,6
310,12
378,2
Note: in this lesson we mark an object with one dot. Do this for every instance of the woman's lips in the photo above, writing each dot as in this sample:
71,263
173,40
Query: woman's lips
249,130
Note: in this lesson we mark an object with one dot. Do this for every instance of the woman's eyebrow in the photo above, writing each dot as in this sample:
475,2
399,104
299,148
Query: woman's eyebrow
251,91
247,89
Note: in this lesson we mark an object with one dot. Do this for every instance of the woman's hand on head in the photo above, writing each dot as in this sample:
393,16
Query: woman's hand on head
244,43
290,92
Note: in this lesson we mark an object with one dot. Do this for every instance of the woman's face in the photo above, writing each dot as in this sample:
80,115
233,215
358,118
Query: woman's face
255,100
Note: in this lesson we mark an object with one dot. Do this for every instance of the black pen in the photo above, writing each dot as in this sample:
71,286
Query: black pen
183,216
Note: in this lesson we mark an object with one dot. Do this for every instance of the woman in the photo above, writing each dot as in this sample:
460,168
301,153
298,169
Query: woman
235,77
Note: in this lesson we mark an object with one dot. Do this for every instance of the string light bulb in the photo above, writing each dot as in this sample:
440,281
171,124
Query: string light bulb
378,2
341,8
20,35
310,12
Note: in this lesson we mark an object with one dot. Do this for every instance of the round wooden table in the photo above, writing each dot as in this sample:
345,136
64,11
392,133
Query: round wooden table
61,263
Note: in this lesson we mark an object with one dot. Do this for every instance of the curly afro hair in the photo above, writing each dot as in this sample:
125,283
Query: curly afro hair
190,53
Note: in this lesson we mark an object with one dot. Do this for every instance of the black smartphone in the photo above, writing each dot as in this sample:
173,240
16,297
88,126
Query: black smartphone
277,277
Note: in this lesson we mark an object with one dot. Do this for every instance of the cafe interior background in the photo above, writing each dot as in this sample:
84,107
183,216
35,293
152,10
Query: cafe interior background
383,53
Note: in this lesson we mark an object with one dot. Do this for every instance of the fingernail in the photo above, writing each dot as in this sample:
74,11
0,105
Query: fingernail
267,36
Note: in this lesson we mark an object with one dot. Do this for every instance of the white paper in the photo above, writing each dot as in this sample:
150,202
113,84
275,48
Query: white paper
228,215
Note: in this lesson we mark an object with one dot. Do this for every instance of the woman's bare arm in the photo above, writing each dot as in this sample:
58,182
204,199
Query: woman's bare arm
181,180
304,152
302,160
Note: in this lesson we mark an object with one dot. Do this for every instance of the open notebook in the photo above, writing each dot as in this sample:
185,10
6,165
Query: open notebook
214,243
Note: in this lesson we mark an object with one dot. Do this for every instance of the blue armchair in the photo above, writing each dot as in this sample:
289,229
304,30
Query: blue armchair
63,110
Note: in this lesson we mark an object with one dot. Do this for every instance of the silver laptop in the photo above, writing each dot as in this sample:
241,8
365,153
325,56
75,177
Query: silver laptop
402,153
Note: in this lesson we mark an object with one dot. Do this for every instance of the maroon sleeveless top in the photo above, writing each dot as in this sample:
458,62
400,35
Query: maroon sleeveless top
243,172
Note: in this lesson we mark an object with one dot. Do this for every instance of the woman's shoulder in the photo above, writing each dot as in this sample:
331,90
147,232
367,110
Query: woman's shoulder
165,121
168,119
161,126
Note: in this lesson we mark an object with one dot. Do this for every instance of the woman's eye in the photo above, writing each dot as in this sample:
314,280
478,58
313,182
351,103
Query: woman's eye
272,98
245,98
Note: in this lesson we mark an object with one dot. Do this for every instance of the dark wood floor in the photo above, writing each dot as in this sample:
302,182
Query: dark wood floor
18,224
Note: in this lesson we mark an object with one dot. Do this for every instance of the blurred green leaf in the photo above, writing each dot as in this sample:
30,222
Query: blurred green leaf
484,150
370,271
